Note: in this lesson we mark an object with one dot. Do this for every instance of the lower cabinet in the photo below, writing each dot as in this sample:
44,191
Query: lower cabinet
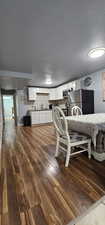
35,117
40,117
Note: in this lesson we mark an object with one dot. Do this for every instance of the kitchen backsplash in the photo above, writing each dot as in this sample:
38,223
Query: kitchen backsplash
42,101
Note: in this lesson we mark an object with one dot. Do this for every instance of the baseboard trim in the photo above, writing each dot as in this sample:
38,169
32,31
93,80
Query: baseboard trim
42,124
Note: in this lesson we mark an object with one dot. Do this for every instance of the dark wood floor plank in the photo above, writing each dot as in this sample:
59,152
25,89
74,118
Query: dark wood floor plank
36,188
13,209
44,197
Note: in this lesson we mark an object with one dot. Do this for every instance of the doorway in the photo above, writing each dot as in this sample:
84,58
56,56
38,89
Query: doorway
8,106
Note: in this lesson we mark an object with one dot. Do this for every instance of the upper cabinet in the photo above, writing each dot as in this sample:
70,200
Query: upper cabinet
70,85
78,84
42,90
54,93
31,93
59,92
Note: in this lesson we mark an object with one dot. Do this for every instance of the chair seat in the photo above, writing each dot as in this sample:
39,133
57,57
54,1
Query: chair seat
75,136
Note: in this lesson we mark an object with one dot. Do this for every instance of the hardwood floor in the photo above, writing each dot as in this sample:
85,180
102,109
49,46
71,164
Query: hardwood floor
35,188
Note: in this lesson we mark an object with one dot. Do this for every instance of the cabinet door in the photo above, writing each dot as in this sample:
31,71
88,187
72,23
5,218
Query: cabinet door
48,116
43,117
38,90
59,93
63,88
52,94
51,116
42,90
45,90
35,117
31,94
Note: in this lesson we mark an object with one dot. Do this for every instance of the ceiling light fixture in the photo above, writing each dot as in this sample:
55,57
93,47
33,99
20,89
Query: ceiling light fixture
48,79
96,52
48,82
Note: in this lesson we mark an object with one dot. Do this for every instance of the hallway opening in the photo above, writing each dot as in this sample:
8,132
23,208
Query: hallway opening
8,107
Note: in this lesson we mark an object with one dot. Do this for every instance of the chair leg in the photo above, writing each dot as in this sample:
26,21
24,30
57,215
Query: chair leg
68,155
57,146
89,149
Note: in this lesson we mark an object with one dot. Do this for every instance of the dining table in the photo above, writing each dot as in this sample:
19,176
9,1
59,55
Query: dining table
92,125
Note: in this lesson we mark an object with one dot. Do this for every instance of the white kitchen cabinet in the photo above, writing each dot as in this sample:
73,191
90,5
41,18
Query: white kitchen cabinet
42,90
49,116
45,90
78,84
60,92
38,90
65,86
56,93
41,117
35,117
31,93
62,89
53,94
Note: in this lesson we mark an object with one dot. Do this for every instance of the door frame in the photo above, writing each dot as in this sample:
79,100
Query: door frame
13,93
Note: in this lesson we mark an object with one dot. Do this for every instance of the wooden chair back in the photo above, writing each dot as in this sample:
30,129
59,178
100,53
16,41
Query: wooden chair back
60,121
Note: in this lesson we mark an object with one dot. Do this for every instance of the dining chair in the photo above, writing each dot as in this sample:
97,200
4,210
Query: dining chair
69,140
75,111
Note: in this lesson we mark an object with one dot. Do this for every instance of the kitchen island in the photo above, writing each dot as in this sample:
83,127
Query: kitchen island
40,116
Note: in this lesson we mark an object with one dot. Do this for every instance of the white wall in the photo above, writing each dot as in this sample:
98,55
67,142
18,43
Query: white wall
22,105
97,87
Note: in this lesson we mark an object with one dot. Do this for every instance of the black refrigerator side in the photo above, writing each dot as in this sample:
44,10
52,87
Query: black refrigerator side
87,101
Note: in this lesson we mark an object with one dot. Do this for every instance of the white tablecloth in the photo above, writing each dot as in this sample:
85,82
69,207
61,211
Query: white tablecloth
89,124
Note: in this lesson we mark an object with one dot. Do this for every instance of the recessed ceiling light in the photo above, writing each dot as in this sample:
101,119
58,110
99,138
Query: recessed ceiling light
49,81
96,52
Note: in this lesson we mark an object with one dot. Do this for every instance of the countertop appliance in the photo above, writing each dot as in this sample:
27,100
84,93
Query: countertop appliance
50,106
82,98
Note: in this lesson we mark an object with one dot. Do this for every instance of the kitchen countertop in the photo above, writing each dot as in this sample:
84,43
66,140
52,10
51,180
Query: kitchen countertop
33,110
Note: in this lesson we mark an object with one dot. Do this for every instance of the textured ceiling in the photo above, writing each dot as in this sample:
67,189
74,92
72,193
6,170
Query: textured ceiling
51,37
